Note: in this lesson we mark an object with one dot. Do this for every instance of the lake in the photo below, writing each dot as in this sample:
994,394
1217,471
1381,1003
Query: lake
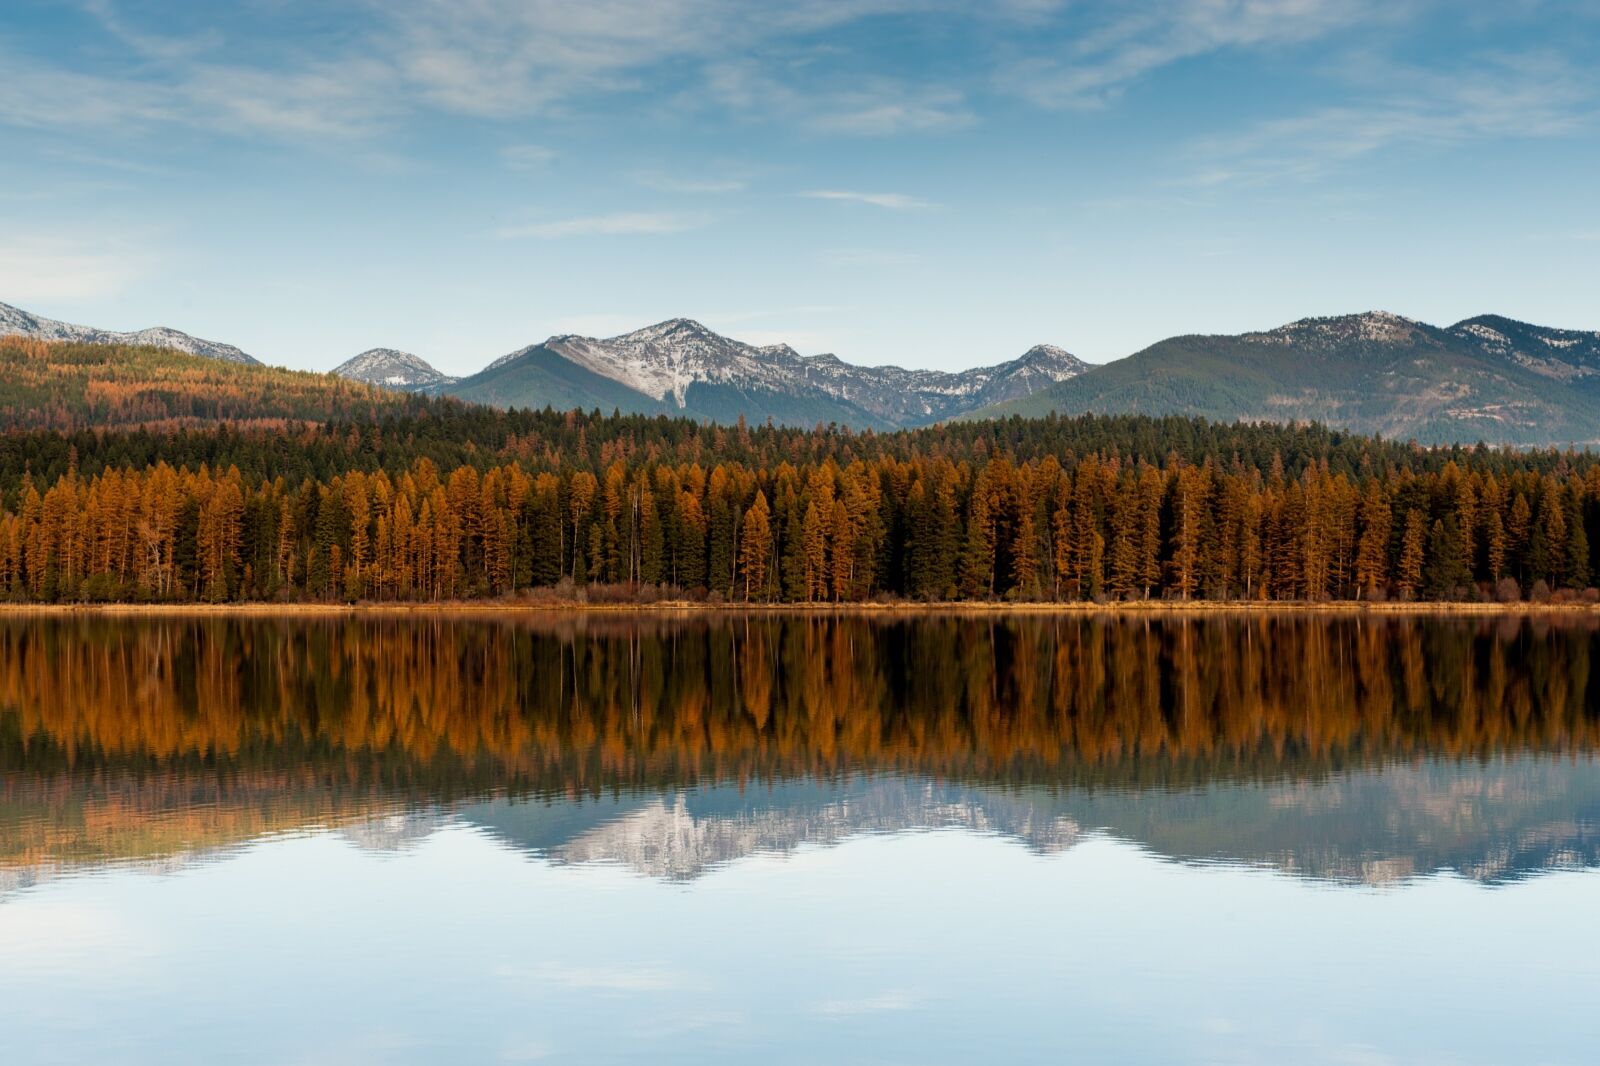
1157,838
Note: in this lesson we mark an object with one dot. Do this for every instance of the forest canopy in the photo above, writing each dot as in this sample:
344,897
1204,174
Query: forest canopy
439,501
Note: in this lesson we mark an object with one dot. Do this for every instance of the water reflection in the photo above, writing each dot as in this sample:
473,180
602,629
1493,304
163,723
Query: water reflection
1353,750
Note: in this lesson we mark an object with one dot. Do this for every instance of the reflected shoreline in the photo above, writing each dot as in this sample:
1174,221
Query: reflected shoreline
1565,610
1492,823
1325,747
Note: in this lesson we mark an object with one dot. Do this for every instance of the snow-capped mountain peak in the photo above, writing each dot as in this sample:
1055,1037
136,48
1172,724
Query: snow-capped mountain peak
666,360
1057,363
394,369
14,320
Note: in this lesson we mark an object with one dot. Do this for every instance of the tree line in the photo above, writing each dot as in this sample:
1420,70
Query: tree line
988,525
244,726
68,386
591,705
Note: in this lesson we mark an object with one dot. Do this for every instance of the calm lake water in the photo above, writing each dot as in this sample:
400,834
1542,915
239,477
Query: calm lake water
799,839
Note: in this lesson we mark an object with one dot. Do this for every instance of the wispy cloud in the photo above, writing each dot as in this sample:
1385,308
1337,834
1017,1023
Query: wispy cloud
1114,45
326,101
868,257
894,201
705,186
1496,97
621,223
885,110
527,156
877,106
496,59
150,45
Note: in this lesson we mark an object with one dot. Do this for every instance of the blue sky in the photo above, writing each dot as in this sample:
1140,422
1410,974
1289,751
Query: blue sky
925,183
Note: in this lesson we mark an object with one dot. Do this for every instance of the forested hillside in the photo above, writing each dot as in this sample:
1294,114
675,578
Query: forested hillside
68,385
679,367
450,503
1484,379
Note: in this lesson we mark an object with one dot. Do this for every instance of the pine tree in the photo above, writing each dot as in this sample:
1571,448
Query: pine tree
814,553
755,544
1372,550
581,489
1577,548
1447,576
1412,550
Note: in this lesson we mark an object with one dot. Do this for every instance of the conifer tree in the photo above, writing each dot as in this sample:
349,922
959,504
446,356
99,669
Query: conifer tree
1412,552
755,544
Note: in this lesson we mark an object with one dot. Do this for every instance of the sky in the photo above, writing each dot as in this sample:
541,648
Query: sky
921,182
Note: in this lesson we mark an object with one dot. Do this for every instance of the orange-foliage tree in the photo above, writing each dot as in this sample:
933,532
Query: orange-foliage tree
925,527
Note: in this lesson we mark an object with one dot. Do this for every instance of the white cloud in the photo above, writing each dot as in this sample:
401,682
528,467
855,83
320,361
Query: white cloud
342,100
891,108
894,201
508,57
690,186
869,257
149,45
1497,97
486,58
1121,43
527,156
766,62
620,223
876,106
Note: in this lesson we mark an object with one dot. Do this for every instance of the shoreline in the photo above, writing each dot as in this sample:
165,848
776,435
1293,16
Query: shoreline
1132,608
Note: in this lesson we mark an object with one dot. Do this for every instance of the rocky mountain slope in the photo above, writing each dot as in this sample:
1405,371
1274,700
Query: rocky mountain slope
681,367
677,367
15,321
393,369
1572,356
1486,378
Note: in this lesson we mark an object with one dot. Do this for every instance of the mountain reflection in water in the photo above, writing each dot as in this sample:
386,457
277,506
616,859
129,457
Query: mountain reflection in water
1344,748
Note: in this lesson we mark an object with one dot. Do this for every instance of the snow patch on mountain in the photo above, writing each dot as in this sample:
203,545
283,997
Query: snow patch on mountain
393,369
14,320
1371,327
664,361
1485,333
1562,354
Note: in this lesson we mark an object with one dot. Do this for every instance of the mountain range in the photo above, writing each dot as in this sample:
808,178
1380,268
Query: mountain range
1486,378
680,367
14,320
